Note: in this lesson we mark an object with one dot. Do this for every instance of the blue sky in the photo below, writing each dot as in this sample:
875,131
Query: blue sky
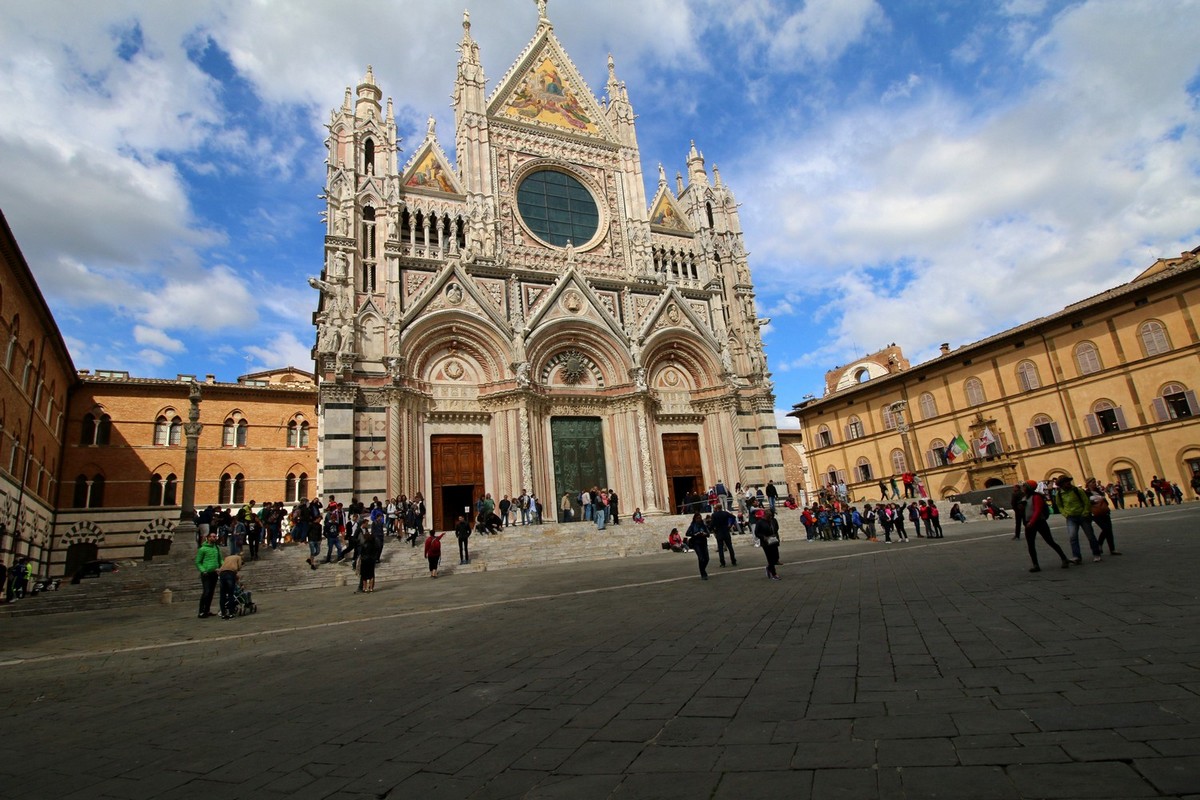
913,172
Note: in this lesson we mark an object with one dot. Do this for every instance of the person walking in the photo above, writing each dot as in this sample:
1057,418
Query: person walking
368,557
935,517
230,568
767,533
1102,516
772,494
433,551
1037,514
462,532
208,563
1074,504
1018,507
697,539
722,525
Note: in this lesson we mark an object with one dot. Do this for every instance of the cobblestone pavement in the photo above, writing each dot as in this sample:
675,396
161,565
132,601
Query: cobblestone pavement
930,670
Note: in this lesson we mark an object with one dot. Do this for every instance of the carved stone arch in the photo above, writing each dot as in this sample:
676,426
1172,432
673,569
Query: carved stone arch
696,360
446,335
604,359
161,528
82,532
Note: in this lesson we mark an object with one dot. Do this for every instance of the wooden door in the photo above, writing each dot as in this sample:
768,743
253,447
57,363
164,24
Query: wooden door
457,466
681,459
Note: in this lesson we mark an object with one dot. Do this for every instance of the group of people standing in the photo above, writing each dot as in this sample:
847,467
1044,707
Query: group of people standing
836,521
596,505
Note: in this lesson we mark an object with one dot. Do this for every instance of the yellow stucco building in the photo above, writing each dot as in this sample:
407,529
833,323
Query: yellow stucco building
1105,388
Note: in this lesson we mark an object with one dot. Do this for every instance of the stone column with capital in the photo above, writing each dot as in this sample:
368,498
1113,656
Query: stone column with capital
185,529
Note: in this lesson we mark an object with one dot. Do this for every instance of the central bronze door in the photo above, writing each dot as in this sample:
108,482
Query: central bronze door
457,467
681,457
578,456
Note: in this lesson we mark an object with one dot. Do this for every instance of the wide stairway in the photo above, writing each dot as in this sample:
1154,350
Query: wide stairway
285,569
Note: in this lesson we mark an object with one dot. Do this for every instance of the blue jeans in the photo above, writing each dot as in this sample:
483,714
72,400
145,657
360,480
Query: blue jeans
587,512
314,546
228,584
332,542
601,517
1074,524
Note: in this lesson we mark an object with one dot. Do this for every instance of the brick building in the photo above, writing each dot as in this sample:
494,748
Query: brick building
91,464
35,382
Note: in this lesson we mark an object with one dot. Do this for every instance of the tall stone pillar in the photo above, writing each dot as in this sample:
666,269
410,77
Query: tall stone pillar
185,529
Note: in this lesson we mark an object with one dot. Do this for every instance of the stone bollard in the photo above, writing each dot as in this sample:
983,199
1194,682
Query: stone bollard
340,580
167,597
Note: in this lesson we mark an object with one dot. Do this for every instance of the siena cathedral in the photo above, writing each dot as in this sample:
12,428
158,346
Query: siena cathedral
520,317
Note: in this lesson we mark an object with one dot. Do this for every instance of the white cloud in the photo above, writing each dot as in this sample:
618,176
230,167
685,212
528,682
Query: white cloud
212,300
934,222
284,350
154,337
784,422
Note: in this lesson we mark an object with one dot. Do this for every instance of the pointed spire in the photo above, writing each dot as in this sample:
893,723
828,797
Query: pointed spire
346,101
369,78
678,184
614,85
716,176
390,112
466,22
696,172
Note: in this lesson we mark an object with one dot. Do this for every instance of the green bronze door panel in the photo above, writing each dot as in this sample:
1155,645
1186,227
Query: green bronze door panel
578,455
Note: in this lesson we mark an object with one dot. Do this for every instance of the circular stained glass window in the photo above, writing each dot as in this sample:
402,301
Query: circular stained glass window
557,208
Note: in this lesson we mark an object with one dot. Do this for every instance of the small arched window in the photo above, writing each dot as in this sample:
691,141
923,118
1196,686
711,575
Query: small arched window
97,428
156,490
1043,431
854,429
297,433
1175,401
170,484
974,390
369,157
234,433
862,470
889,419
824,437
1154,338
936,455
1027,376
167,429
1105,418
93,489
928,406
1087,358
302,486
899,462
289,488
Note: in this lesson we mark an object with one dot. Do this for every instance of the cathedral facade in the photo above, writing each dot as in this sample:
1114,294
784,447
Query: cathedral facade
523,317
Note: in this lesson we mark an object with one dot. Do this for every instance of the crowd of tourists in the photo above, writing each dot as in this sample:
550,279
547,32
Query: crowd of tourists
1087,509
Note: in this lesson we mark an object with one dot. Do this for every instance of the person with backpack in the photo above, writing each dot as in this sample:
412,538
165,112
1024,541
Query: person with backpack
1075,505
1037,514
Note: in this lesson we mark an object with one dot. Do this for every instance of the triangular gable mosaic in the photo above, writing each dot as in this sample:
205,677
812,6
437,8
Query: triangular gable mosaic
665,214
545,96
544,88
431,172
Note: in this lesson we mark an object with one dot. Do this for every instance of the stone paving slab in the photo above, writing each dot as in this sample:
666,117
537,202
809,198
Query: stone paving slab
936,669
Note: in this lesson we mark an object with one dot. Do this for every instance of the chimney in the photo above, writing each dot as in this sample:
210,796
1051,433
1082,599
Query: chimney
945,348
210,378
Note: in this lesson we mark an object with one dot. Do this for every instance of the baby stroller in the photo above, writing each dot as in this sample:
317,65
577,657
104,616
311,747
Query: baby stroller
245,604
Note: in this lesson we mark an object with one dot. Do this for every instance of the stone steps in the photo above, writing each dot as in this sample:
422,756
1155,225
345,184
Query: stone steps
142,583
